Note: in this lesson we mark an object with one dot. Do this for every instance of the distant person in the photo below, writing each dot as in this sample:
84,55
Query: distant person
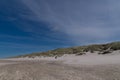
55,57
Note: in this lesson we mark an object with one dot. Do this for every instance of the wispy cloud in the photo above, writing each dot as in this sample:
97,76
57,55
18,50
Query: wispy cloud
81,20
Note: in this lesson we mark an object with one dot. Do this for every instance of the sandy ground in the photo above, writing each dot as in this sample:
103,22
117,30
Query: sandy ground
86,67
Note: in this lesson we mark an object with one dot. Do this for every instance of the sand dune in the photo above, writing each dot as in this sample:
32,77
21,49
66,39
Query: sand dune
88,59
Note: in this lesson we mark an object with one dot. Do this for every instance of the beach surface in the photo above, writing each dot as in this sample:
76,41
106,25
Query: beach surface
67,67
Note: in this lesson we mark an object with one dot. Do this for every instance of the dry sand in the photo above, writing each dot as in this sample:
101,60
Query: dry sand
68,67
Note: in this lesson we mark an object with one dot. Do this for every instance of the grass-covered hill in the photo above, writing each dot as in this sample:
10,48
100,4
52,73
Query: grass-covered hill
102,48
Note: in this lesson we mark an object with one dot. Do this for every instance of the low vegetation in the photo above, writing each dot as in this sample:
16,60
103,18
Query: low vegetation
102,48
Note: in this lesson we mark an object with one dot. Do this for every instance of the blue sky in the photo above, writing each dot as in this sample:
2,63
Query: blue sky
28,26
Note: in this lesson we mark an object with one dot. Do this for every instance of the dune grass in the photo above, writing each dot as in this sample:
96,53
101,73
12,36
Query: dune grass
76,50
